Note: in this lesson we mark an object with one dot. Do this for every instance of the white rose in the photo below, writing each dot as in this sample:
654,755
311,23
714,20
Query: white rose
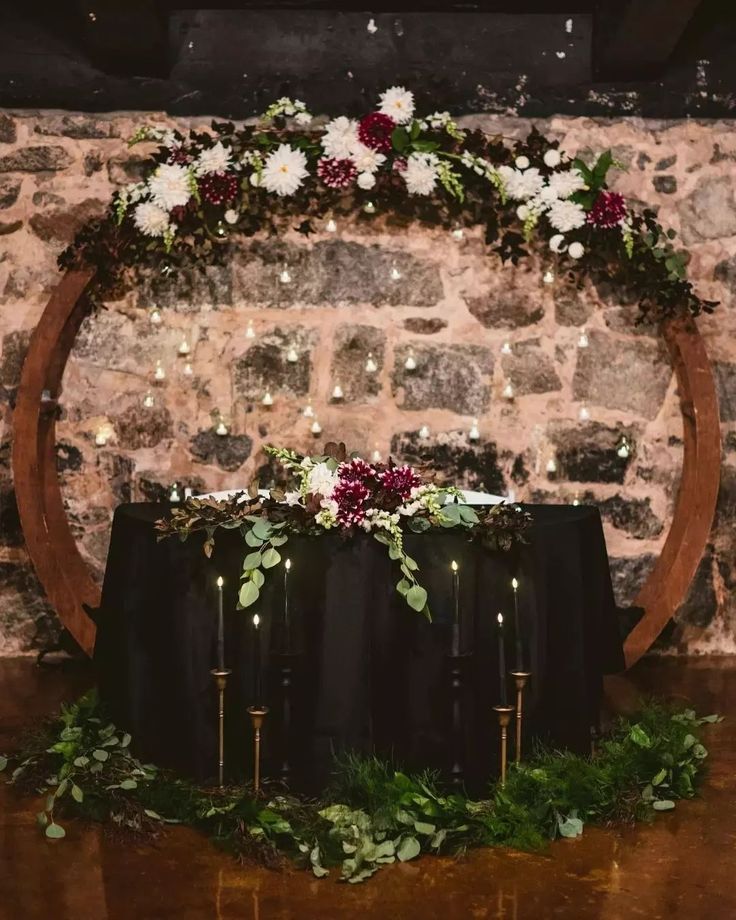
557,243
521,162
576,250
366,180
552,158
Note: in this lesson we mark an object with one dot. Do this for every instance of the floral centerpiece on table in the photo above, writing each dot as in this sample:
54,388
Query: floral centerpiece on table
335,492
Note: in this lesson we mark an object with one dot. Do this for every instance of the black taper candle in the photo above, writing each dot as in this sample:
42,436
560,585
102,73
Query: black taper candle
456,638
257,677
287,622
517,627
501,661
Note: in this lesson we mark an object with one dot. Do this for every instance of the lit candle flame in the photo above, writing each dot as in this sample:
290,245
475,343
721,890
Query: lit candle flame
514,584
287,564
454,566
220,581
256,620
500,619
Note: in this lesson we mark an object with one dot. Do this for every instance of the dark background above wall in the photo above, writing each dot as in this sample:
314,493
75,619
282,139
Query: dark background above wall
655,58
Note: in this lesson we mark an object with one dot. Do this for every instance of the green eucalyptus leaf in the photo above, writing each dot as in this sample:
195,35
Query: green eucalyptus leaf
640,737
422,827
100,755
262,529
55,831
252,561
278,540
271,558
663,805
248,594
403,587
129,784
659,778
258,578
416,598
77,793
252,540
408,849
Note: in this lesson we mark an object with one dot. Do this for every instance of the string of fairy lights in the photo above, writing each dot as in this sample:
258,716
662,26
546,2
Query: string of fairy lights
222,427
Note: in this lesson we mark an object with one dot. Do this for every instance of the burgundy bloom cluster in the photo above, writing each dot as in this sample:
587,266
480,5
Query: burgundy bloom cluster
218,188
398,481
336,173
180,156
608,211
358,470
351,496
374,131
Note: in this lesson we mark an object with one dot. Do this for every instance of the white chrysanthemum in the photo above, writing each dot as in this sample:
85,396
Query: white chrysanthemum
150,219
284,170
366,180
321,480
565,215
365,159
576,250
398,103
170,186
420,174
340,138
566,183
302,118
552,157
522,185
213,160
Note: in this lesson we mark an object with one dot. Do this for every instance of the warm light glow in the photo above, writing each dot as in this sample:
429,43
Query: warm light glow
288,564
500,619
514,584
453,565
256,620
220,581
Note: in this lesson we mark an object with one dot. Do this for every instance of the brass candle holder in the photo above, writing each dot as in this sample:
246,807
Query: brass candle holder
503,713
221,677
520,679
257,715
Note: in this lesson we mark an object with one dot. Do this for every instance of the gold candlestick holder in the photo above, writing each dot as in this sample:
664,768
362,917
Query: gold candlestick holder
503,713
221,677
257,715
520,679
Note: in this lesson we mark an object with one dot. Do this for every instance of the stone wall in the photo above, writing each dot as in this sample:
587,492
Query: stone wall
390,293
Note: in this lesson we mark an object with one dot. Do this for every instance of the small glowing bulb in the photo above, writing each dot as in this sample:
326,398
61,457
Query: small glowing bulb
624,450
174,493
308,412
458,233
287,564
331,226
548,277
101,436
148,400
221,428
155,317
316,427
474,433
250,332
395,273
505,349
508,391
410,364
453,566
369,207
514,584
184,348
576,500
220,228
424,431
160,372
551,465
267,399
285,275
583,339
370,365
292,355
188,370
500,619
256,620
337,392
584,414
376,456
220,581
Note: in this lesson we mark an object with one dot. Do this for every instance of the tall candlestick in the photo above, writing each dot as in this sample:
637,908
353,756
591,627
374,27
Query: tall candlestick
287,623
501,661
455,609
220,628
517,627
256,661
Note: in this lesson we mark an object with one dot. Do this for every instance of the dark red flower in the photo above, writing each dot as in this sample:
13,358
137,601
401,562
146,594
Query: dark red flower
358,470
218,188
399,481
374,130
351,496
399,164
608,211
179,156
336,173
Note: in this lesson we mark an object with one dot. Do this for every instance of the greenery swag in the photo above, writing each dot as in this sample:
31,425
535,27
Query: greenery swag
372,814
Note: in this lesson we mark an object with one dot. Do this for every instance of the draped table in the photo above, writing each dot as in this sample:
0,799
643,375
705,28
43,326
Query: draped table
372,674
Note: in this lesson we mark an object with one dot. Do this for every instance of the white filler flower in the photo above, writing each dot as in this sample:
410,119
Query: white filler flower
522,185
340,138
566,215
366,180
576,250
564,184
284,170
398,103
170,186
365,159
420,174
150,219
321,480
213,160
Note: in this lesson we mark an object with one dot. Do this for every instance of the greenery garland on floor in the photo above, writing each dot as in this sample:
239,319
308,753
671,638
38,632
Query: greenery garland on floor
371,814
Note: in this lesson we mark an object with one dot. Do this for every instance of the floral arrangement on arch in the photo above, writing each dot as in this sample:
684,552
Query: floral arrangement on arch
347,495
209,185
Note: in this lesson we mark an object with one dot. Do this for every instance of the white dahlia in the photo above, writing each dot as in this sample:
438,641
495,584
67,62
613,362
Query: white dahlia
170,186
565,215
521,185
321,480
340,138
566,183
150,219
398,103
420,174
213,160
284,170
365,159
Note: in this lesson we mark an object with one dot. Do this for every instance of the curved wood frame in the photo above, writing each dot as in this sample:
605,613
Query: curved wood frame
67,581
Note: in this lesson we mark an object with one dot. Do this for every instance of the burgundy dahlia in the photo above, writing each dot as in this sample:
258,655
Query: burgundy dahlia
179,156
399,481
351,497
218,188
608,211
358,470
399,164
336,173
374,130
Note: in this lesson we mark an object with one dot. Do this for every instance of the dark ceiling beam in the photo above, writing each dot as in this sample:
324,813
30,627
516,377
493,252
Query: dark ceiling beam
637,43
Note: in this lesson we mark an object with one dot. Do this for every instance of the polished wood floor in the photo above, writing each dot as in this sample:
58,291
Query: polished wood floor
681,866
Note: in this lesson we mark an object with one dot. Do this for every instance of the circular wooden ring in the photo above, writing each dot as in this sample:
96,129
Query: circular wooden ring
67,581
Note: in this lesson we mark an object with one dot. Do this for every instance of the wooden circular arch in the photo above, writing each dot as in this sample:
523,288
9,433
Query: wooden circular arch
69,585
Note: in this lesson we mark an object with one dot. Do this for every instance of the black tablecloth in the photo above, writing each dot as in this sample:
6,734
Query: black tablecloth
372,673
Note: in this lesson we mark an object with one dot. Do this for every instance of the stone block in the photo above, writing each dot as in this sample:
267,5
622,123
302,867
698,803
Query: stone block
709,211
628,574
454,377
139,427
725,375
187,290
229,452
9,191
15,346
127,167
632,515
453,459
573,306
36,159
589,453
506,308
352,346
13,226
631,375
8,131
420,325
80,127
725,272
665,185
529,369
334,272
265,365
60,226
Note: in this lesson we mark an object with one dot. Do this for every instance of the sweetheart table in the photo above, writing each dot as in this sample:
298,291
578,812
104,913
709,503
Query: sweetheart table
368,673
